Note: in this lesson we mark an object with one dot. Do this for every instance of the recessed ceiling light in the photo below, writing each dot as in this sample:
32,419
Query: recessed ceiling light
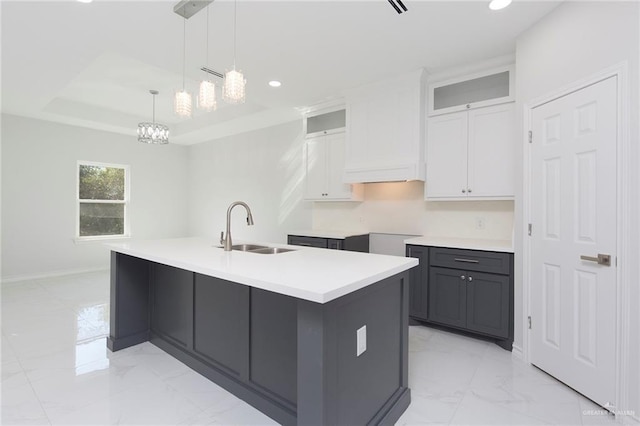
84,1
275,83
499,4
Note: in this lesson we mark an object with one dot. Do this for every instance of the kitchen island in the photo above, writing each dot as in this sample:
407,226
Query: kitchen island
308,337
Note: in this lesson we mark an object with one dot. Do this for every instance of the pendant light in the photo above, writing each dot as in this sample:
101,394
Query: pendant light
207,92
233,90
153,132
499,4
182,102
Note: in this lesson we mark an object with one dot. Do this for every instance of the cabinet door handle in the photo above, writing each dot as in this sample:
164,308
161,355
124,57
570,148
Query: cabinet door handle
466,260
470,279
462,277
469,190
464,191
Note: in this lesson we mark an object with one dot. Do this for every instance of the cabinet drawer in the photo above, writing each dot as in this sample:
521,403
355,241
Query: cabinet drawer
296,240
470,260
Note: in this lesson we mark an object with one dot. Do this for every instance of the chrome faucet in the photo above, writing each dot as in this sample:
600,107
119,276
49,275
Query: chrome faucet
225,240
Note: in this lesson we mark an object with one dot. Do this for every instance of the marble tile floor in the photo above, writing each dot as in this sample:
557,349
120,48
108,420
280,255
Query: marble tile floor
56,370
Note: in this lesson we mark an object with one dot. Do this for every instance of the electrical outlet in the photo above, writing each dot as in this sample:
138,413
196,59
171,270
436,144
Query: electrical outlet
479,222
361,340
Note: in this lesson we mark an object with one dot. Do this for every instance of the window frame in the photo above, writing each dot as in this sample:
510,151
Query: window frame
125,202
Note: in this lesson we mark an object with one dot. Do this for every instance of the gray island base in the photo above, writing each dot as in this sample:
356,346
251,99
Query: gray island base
293,359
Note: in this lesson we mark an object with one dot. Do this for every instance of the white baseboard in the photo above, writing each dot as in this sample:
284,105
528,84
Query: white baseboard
52,274
516,351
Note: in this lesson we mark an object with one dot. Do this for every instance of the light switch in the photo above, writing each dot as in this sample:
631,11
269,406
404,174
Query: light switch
361,340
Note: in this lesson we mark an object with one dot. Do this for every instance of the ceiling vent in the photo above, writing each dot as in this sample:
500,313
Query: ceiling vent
398,5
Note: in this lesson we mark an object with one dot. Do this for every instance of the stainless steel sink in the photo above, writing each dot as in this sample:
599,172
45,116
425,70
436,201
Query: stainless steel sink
256,248
271,250
247,247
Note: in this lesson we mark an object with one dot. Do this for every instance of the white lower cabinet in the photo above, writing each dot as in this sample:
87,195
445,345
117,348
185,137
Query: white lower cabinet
324,162
470,154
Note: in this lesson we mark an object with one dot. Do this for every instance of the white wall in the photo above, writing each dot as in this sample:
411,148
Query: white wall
262,168
574,41
400,208
39,166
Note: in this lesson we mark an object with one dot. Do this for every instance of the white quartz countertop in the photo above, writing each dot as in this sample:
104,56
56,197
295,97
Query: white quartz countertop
320,233
505,246
318,275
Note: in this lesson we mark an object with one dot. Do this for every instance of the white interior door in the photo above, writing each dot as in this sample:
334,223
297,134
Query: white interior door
573,213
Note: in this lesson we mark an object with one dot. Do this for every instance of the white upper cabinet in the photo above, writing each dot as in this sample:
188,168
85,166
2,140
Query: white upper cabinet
491,152
385,130
470,154
324,162
320,123
447,156
472,91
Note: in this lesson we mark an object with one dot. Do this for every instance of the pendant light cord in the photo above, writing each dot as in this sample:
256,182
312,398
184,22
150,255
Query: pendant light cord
235,26
206,58
154,109
184,49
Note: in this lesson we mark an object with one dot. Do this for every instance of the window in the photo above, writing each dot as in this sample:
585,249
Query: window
103,195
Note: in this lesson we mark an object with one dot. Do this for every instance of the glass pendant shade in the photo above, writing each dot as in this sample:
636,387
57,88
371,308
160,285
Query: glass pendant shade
233,90
182,103
207,96
499,4
153,132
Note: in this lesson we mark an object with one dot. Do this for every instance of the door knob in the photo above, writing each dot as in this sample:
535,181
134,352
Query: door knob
601,259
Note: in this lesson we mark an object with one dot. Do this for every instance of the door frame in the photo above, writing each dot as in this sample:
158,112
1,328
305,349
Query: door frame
624,162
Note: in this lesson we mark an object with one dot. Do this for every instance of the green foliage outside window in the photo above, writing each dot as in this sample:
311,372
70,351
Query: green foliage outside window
101,184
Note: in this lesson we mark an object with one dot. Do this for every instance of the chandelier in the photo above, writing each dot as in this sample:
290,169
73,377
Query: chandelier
153,132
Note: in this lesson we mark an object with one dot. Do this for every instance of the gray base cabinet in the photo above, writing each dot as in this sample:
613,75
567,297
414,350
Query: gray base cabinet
466,290
488,304
447,298
273,337
172,304
353,243
221,324
418,278
292,359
